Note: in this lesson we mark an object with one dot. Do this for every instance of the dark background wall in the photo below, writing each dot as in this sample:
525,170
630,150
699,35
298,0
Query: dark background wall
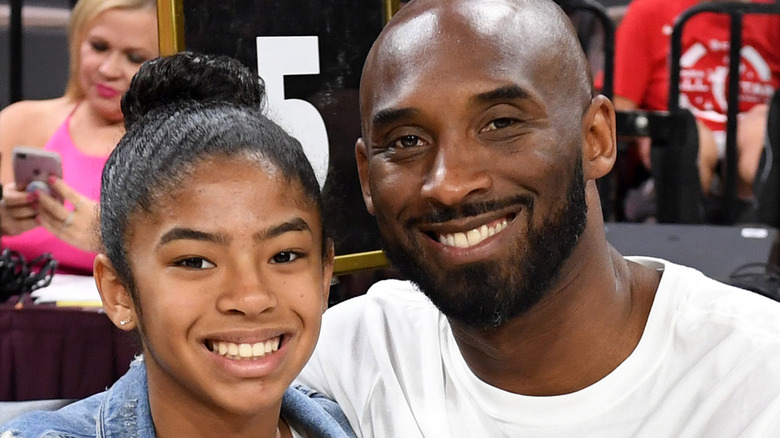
45,50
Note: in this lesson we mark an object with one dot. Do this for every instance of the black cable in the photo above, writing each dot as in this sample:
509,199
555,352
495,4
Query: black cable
17,276
762,278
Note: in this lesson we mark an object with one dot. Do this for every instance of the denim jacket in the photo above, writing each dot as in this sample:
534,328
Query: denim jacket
123,412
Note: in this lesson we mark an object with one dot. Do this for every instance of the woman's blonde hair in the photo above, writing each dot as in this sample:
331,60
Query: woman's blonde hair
82,16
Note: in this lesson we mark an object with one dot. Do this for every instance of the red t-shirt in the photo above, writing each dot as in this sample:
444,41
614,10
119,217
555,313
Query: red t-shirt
642,47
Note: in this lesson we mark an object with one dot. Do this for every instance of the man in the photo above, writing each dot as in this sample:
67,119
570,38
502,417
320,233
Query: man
480,150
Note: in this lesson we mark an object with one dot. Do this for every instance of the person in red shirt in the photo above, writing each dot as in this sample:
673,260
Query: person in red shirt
643,43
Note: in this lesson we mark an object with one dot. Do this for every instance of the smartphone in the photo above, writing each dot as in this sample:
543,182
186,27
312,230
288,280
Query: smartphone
32,168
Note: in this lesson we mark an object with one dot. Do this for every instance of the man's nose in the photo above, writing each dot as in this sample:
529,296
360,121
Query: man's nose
456,174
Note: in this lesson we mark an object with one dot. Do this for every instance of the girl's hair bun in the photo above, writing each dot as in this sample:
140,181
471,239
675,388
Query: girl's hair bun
190,77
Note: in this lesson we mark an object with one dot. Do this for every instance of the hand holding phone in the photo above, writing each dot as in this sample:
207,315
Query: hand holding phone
33,167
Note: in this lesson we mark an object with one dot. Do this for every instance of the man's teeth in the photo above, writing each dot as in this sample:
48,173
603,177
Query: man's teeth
244,351
472,237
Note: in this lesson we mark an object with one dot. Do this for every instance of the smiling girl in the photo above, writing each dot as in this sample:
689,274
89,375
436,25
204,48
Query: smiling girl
215,254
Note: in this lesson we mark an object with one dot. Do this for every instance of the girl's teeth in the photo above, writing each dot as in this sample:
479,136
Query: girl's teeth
232,350
258,349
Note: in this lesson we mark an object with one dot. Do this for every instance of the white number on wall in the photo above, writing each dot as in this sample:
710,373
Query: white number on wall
281,56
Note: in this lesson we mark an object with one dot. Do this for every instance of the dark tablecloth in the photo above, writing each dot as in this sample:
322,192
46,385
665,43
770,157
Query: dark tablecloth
49,352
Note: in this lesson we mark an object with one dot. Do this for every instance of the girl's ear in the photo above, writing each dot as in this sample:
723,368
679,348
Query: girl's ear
327,273
117,301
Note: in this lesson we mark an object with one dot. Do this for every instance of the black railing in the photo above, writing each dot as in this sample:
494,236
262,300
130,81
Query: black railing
736,12
15,40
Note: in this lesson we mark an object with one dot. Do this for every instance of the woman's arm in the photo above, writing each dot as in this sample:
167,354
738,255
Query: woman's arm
28,123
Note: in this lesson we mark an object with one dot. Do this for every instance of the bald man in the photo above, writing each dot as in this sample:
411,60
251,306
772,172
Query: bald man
482,141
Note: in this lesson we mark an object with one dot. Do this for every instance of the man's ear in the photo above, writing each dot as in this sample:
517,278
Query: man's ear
361,155
117,301
327,273
599,140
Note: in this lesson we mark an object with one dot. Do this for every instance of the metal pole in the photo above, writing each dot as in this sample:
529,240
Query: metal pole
15,36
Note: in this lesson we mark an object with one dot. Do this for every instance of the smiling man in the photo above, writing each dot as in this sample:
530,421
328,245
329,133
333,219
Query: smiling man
482,142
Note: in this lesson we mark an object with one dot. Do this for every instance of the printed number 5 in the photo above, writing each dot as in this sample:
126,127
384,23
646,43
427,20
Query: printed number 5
280,56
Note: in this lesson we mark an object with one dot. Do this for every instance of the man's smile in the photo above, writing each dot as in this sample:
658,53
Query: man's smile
474,236
471,224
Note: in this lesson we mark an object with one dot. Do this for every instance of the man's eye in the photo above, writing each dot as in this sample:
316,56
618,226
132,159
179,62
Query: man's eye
285,257
498,124
407,141
194,263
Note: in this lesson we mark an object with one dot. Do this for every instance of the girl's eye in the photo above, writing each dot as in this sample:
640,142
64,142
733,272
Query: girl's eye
407,141
285,257
498,124
194,263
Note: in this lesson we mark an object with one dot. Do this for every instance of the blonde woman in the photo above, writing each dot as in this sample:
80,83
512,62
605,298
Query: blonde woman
108,41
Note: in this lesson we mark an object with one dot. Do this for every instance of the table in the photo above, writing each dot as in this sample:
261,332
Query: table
715,250
54,352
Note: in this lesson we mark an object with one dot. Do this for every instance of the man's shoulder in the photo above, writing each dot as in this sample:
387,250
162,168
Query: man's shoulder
367,341
383,296
390,308
699,299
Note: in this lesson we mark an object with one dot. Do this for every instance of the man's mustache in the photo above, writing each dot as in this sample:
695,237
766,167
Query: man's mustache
443,214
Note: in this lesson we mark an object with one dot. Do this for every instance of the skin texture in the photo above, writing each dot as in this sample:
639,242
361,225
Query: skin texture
114,46
202,274
475,112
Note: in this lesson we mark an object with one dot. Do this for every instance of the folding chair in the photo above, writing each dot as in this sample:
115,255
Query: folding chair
675,147
736,11
767,186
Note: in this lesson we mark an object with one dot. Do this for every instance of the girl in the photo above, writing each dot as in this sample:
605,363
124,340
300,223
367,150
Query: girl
214,253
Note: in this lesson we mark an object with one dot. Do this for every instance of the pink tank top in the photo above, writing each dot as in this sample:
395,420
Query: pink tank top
81,172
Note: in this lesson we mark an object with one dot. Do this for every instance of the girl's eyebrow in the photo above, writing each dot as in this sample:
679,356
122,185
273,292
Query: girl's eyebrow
181,233
295,224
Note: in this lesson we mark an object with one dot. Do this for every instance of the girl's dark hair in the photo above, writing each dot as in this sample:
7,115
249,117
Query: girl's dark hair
181,111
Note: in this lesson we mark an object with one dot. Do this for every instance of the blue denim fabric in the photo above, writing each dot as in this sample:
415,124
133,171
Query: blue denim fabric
123,412
313,413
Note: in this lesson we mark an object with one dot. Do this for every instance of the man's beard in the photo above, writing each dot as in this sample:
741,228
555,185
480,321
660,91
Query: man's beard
488,294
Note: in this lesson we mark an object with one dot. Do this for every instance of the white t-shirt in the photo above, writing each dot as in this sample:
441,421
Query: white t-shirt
707,365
